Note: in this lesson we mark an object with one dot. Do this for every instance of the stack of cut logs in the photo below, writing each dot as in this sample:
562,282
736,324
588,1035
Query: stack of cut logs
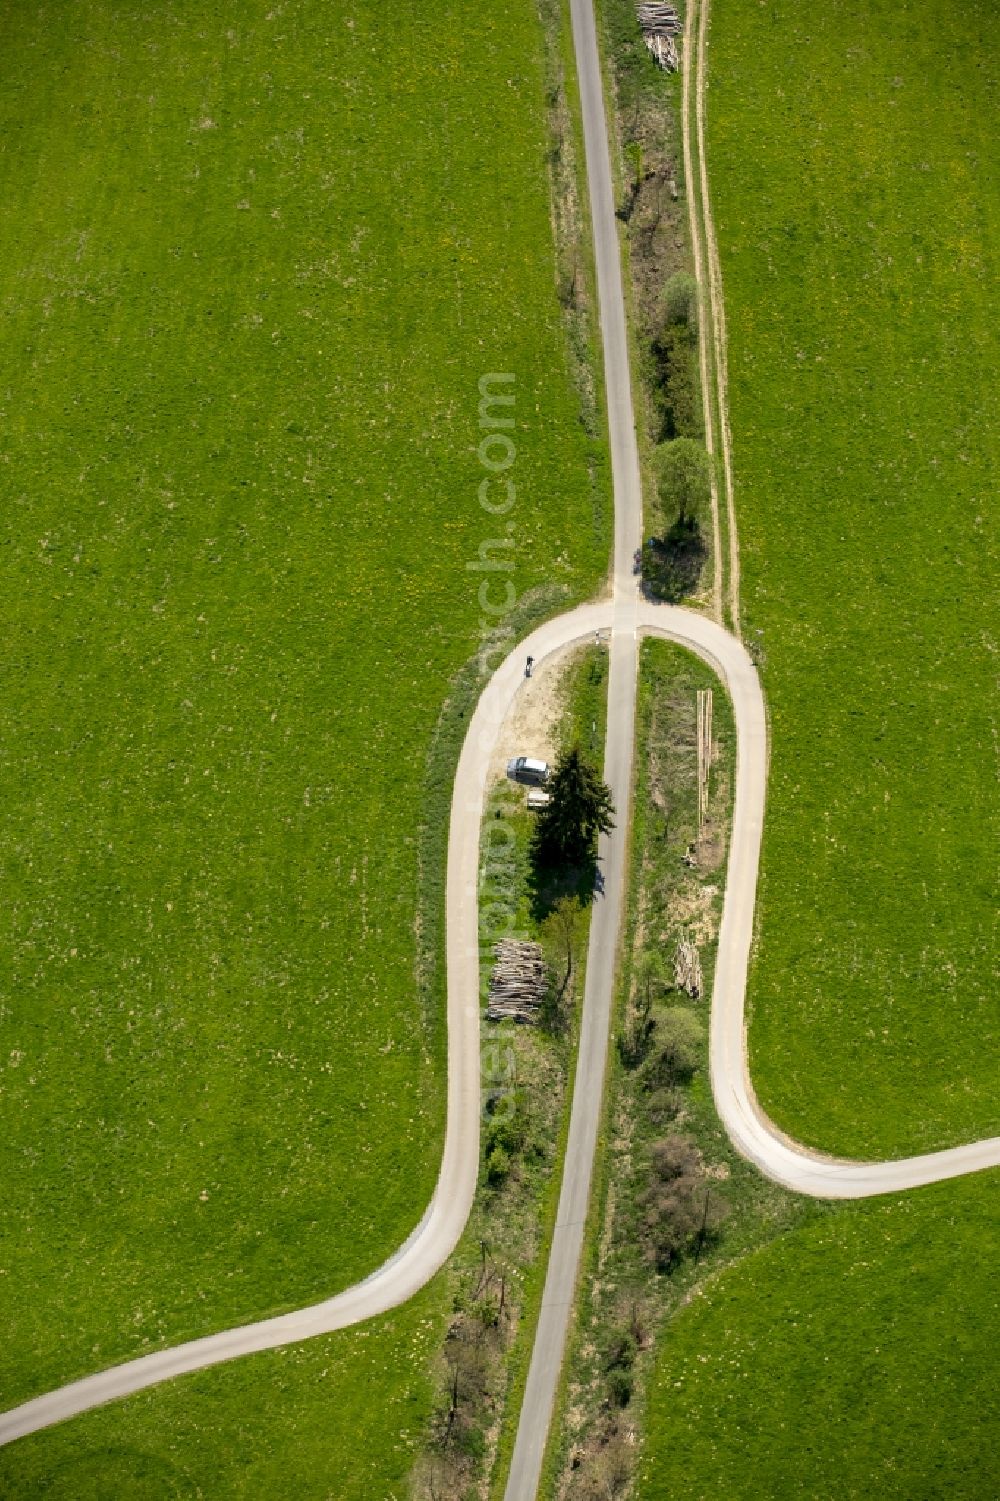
687,968
661,26
704,751
518,984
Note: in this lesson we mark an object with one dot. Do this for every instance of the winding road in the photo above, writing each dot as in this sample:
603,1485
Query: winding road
626,616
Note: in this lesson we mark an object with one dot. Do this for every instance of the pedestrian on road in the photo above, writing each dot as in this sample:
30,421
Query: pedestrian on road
528,666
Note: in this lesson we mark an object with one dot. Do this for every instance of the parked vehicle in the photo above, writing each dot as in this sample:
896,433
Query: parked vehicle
537,799
528,770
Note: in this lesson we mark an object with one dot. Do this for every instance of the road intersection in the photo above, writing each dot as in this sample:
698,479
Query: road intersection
627,616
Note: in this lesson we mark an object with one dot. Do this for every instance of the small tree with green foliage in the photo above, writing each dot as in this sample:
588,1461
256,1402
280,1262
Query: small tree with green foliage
680,1039
673,350
561,932
671,565
672,561
580,808
505,1137
679,301
684,477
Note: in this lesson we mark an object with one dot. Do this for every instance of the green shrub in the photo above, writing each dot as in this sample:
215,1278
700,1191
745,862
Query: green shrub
679,302
680,1040
677,398
497,1166
684,477
664,1105
506,1130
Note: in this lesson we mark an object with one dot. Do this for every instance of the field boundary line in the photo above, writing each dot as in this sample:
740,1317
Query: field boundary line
704,304
717,305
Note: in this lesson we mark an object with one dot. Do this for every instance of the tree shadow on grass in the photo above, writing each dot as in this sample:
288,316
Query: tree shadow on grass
671,565
548,883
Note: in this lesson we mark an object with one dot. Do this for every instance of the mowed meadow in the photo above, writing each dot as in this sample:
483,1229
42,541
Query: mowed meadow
253,264
336,1416
852,157
847,1359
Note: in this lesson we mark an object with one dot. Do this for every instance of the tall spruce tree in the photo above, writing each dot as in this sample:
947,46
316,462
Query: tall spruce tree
581,808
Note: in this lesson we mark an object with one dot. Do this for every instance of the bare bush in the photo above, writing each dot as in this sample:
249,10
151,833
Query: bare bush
682,1212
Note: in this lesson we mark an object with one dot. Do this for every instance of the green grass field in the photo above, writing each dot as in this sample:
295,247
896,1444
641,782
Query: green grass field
251,272
303,1421
854,1358
849,152
852,161
298,1422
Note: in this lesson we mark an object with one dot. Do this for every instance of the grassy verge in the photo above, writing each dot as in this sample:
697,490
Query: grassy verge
494,1281
647,1253
858,222
853,1358
250,281
647,155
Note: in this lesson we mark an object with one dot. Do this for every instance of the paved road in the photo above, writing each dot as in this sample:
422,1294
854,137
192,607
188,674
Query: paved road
751,1132
436,1236
559,1292
625,616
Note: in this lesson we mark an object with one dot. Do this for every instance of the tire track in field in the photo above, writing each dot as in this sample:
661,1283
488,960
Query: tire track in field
704,307
713,330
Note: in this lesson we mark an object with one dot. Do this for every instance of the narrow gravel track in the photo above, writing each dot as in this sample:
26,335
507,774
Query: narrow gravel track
627,616
712,360
695,63
704,300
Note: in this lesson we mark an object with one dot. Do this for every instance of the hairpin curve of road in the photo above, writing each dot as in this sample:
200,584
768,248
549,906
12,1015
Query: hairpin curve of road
625,616
438,1232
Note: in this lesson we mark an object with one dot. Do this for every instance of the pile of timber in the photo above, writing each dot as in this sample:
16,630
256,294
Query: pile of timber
687,968
518,984
661,26
705,756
